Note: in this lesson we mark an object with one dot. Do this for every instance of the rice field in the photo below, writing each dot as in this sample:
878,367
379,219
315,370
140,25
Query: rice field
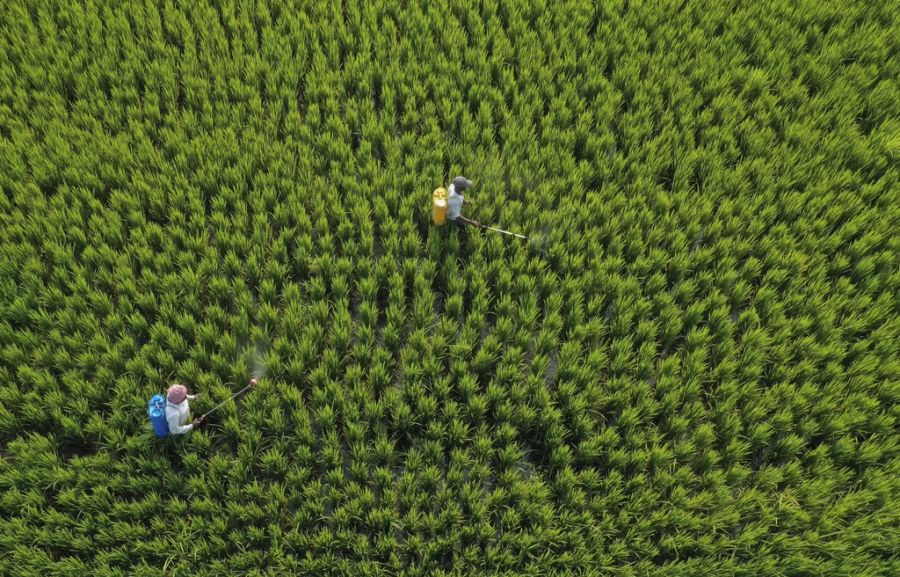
689,367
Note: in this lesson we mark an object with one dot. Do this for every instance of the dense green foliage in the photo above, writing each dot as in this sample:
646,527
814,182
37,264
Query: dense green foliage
690,369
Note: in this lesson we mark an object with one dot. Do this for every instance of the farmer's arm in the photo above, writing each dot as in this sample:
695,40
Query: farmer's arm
172,417
192,397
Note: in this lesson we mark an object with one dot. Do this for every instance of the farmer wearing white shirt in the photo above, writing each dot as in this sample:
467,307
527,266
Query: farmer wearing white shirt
178,412
456,200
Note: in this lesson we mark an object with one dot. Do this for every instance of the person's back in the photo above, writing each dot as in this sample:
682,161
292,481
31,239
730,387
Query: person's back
454,203
178,411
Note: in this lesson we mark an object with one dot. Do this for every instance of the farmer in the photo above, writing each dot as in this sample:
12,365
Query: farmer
455,202
178,412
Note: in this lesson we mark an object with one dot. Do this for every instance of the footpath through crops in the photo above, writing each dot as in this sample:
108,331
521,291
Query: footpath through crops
689,367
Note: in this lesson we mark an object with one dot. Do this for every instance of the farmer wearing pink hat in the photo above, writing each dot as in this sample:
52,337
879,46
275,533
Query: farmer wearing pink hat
178,411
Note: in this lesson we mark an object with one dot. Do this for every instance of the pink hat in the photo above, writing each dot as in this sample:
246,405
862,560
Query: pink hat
176,393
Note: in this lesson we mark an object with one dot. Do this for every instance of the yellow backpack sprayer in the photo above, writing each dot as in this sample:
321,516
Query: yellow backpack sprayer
439,200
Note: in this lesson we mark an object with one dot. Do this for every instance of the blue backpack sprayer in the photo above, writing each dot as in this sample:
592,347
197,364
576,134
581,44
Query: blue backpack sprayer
156,410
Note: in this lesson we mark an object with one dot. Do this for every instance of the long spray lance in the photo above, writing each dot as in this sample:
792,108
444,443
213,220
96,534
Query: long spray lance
229,399
500,230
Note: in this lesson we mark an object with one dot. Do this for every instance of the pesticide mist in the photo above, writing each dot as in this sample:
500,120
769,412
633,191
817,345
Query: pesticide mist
258,361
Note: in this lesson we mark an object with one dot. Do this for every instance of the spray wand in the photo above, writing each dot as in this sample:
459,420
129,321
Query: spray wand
229,399
500,230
